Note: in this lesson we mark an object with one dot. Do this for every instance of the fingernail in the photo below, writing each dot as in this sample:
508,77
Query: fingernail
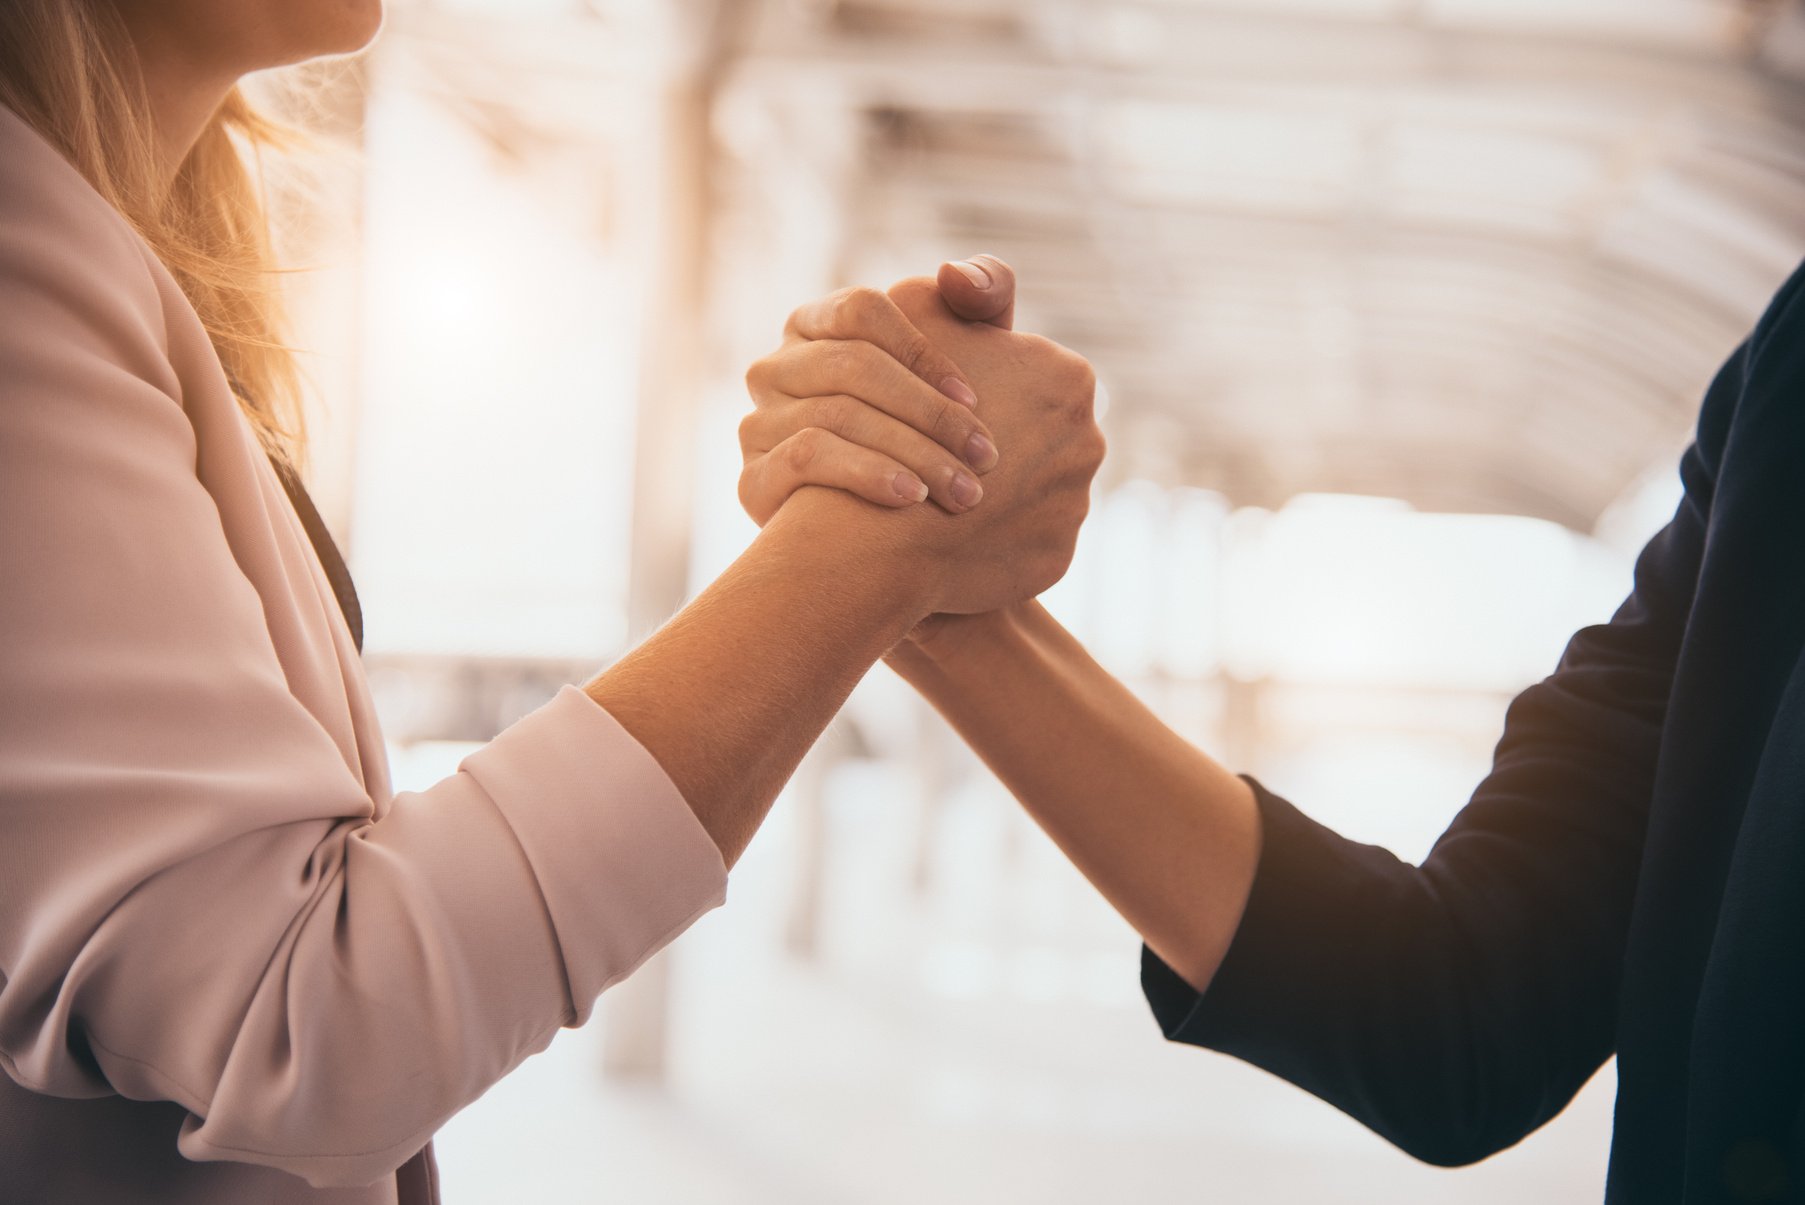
960,392
980,279
909,487
965,490
980,453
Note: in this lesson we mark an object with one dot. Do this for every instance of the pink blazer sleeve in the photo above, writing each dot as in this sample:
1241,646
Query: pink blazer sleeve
207,893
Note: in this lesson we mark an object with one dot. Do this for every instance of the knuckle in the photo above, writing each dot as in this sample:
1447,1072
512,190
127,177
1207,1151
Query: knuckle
915,294
1098,447
757,373
1073,371
1084,375
857,309
802,449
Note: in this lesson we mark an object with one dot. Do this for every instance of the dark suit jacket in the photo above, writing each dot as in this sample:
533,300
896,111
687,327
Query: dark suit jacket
1629,879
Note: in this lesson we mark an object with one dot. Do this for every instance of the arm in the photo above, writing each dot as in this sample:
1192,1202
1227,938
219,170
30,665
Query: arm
1016,685
1169,836
767,654
206,896
818,609
1453,1007
1456,1006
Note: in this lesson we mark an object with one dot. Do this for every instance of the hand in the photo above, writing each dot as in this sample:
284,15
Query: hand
1038,399
859,399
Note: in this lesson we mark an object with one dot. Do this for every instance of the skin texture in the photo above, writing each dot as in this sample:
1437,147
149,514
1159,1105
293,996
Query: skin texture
192,52
1168,835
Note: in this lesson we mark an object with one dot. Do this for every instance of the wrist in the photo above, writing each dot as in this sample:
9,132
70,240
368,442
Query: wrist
940,643
853,544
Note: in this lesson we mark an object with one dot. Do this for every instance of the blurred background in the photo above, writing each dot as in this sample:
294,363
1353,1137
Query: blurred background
1402,311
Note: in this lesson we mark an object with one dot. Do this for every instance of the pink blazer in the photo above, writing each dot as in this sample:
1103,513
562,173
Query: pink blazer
234,965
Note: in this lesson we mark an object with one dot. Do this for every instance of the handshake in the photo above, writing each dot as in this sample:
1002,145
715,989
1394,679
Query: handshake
926,393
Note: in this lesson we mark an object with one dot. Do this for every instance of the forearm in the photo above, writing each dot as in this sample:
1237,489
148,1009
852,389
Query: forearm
731,693
1168,836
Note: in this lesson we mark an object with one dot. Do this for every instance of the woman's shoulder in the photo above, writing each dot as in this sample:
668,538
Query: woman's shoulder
51,217
69,261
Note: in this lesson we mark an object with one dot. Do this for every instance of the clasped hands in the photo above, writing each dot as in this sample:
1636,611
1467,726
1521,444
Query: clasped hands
973,446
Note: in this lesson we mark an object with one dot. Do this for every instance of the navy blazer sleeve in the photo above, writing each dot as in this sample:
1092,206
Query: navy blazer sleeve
1456,1006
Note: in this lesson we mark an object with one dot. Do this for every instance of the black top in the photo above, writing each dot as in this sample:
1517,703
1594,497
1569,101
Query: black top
1630,878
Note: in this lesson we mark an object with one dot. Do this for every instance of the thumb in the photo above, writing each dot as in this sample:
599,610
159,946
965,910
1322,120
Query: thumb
979,289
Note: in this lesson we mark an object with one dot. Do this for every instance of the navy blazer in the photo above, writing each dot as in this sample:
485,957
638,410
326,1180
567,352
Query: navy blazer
1629,879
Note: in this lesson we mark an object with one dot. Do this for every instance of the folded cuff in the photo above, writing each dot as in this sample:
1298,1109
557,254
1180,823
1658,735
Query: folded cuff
621,860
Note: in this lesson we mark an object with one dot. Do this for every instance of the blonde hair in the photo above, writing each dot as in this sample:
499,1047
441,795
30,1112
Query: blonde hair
68,69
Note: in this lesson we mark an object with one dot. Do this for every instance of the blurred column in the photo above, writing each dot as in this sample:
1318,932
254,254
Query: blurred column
1244,719
808,799
1243,735
673,364
934,778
